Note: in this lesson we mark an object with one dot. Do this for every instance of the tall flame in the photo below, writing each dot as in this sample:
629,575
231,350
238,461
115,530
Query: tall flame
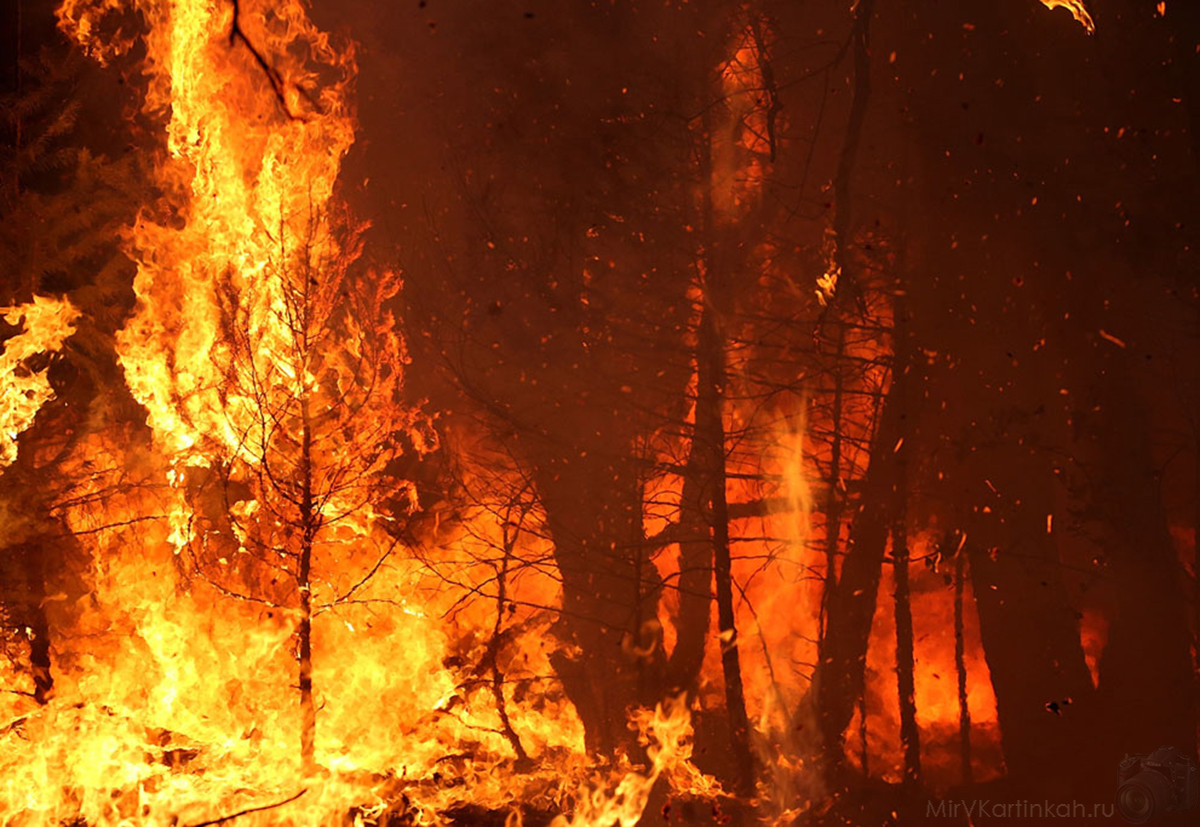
254,145
47,322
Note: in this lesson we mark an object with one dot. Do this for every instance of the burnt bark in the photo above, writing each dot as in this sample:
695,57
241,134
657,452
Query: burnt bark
695,582
709,439
839,679
593,514
38,624
309,519
1149,646
1030,637
24,600
833,498
711,431
910,733
960,669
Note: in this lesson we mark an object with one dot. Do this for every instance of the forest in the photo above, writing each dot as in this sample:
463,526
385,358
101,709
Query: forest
579,413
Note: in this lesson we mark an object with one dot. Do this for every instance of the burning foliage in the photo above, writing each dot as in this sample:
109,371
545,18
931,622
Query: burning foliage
663,455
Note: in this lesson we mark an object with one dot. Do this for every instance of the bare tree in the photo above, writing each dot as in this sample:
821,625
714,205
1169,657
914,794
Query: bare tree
311,369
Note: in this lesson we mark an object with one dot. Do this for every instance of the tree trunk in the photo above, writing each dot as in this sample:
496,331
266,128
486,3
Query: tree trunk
35,619
1030,635
833,498
308,711
1146,679
710,431
960,669
23,573
839,679
848,600
695,581
709,439
910,733
593,514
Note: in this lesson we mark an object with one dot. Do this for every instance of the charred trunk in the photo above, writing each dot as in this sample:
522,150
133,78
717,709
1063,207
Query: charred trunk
710,432
308,528
24,601
839,680
695,582
1149,645
1031,639
910,733
594,517
709,441
960,670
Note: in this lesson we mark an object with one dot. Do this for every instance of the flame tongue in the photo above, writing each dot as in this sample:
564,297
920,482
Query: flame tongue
254,147
1077,9
47,322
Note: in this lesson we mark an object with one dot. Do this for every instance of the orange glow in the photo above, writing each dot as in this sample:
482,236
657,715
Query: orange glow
276,621
935,679
46,324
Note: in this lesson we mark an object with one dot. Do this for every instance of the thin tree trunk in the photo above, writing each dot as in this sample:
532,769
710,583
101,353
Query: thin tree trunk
714,435
308,712
493,659
695,580
1196,483
833,499
848,599
910,733
839,681
843,228
710,436
960,668
35,618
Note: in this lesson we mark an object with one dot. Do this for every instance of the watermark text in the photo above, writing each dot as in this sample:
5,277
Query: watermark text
983,808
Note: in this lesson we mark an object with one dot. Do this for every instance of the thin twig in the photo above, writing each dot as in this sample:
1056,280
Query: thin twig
241,813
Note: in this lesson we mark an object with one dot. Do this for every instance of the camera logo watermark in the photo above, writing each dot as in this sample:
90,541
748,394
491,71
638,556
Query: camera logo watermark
982,808
1163,781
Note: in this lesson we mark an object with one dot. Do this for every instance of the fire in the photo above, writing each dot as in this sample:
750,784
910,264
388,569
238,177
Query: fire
1077,9
670,728
249,171
47,323
935,680
256,637
278,625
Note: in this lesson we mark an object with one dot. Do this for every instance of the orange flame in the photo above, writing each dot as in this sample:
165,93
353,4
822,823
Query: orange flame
47,322
1077,9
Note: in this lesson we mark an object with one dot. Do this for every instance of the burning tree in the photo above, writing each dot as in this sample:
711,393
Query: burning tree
717,408
310,382
272,375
